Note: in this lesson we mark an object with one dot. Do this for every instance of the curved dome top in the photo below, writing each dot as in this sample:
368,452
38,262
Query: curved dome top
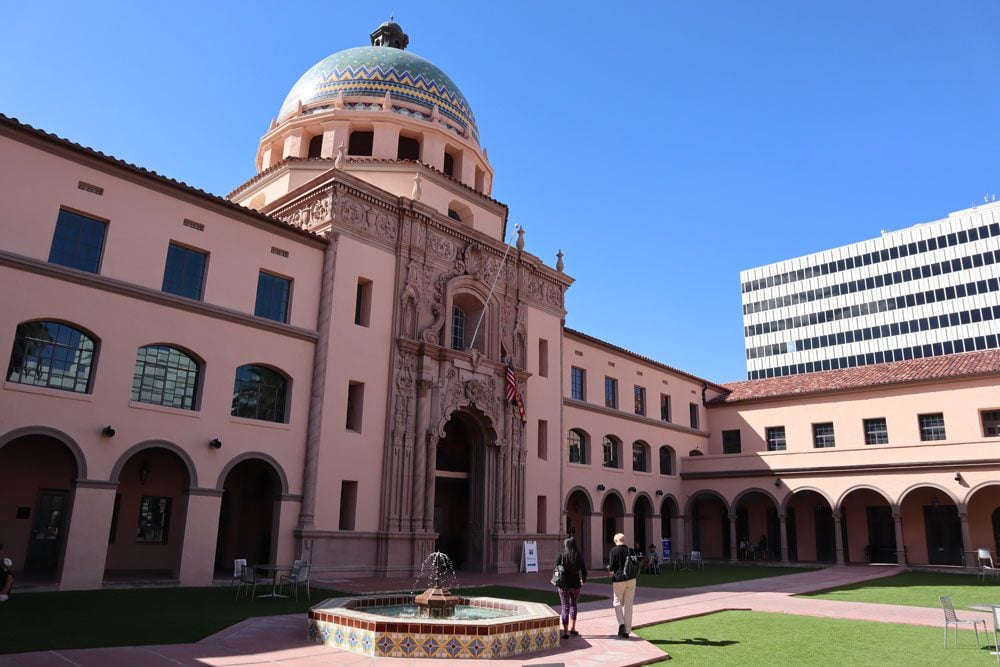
372,71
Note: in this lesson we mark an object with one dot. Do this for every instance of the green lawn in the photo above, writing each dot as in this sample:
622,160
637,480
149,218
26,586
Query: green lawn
918,589
743,638
138,616
712,574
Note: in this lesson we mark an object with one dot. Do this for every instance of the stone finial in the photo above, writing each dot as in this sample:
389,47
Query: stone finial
339,160
486,153
338,101
298,107
467,132
520,238
415,192
435,114
387,102
274,124
559,262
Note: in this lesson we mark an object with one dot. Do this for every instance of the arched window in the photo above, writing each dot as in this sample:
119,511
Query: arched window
165,376
467,321
449,164
51,354
457,328
259,393
316,146
666,460
640,456
408,148
612,451
695,452
460,212
577,446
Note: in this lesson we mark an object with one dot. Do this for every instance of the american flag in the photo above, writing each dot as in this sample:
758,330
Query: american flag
513,395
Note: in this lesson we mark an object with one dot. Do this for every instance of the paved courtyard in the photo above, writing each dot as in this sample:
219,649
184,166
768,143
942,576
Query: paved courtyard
280,640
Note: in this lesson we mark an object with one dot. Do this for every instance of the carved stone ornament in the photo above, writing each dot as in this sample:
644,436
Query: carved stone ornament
479,392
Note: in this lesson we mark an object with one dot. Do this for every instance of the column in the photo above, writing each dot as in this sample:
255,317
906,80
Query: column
293,145
418,519
783,534
596,557
733,545
688,534
386,141
201,531
335,134
87,535
963,517
838,538
897,520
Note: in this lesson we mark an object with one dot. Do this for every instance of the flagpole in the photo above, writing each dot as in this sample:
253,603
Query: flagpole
503,263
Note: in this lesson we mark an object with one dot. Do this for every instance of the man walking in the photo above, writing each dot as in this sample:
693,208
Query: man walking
622,567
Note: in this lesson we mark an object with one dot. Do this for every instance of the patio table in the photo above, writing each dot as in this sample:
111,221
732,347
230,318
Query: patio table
273,570
987,608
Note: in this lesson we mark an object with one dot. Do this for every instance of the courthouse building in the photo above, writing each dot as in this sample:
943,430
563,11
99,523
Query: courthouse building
316,366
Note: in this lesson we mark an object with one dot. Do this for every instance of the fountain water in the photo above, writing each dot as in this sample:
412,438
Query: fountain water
435,623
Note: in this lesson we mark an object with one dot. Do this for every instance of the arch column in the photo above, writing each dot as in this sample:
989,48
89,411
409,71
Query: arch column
838,538
783,536
688,533
92,505
732,537
897,520
201,531
596,556
963,517
655,531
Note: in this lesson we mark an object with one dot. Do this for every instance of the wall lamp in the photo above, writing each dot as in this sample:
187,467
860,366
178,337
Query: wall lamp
958,477
659,492
777,481
215,443
632,489
601,487
108,431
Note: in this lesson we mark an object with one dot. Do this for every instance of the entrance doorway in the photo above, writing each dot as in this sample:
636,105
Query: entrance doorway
247,515
46,532
944,534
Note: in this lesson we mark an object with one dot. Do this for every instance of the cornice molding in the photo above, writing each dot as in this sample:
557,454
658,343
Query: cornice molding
621,414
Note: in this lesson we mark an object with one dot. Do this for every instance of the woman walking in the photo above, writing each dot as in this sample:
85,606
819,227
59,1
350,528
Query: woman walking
573,578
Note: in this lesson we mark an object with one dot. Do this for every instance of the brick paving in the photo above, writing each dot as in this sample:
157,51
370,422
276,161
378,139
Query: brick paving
280,640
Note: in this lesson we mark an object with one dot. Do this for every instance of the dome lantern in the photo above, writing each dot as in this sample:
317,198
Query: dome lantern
390,34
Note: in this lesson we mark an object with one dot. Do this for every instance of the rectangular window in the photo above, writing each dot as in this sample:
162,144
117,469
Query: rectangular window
355,405
578,383
543,358
932,426
775,436
991,423
664,407
823,436
611,451
184,273
693,409
272,297
541,512
154,520
363,303
731,442
543,439
876,431
639,394
610,392
78,241
348,504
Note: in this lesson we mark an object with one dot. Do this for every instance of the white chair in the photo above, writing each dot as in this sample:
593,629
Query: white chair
238,570
299,575
996,625
696,561
984,564
951,618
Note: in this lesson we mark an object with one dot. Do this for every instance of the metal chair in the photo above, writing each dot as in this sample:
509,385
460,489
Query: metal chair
996,625
984,564
951,618
250,580
696,561
298,575
238,570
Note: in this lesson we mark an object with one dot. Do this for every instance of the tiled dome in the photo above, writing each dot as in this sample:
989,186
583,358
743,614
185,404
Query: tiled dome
371,71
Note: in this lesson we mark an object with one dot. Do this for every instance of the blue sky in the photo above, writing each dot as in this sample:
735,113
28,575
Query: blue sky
662,146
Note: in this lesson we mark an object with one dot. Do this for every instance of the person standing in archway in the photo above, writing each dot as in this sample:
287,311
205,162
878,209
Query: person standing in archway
622,585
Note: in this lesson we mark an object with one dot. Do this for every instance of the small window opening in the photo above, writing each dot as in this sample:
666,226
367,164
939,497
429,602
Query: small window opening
316,145
361,143
408,149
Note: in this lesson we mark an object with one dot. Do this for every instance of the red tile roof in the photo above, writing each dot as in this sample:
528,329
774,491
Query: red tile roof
952,366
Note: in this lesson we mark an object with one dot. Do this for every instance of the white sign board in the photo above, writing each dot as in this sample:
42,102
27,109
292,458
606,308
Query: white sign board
529,557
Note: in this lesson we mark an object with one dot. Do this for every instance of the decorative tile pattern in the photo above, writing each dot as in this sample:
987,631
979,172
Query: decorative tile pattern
345,624
373,71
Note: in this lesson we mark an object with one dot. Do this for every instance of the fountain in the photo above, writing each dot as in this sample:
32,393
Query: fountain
434,623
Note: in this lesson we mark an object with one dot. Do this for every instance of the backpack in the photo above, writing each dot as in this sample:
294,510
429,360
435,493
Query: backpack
631,568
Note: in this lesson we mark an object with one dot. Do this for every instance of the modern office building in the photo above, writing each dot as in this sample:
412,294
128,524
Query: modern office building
924,291
316,367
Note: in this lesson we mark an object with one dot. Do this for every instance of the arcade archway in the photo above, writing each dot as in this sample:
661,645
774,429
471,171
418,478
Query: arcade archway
248,514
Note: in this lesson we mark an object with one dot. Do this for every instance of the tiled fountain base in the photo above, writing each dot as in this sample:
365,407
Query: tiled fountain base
343,623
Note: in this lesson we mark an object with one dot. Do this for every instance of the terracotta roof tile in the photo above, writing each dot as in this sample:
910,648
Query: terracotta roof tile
969,364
